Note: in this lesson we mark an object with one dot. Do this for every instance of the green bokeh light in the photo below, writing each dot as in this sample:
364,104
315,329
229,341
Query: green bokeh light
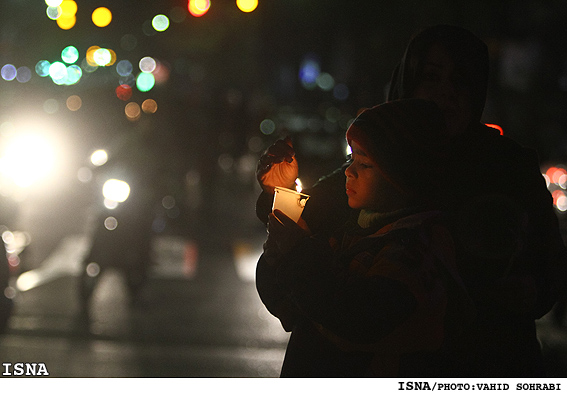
145,82
42,68
70,54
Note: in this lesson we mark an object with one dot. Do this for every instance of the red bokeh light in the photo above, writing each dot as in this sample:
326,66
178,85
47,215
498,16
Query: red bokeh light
124,92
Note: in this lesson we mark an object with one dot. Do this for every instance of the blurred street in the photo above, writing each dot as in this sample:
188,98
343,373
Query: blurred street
210,325
198,316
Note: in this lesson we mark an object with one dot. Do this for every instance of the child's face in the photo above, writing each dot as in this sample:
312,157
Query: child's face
366,186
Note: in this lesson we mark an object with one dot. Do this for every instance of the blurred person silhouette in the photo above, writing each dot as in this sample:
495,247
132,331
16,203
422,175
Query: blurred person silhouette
122,235
382,297
509,249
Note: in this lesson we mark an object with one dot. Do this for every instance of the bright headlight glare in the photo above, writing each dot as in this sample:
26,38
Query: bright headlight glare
27,159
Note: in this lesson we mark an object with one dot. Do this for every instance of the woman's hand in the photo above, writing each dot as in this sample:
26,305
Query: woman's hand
277,166
284,233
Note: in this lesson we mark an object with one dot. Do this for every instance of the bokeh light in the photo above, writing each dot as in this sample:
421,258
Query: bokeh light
53,12
8,72
116,190
58,71
66,22
90,55
67,18
53,3
74,74
309,71
23,74
198,7
325,81
51,106
102,57
145,82
42,68
160,23
132,111
149,106
99,157
84,174
341,92
70,54
124,92
74,103
147,64
247,5
267,126
101,17
129,80
68,8
161,73
110,223
124,68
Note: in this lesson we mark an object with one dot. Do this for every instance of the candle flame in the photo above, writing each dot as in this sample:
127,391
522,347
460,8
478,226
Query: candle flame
298,185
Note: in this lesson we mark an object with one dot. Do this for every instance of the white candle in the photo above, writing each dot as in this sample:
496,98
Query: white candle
289,202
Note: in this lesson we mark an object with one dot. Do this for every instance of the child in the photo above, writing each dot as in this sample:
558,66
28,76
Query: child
374,300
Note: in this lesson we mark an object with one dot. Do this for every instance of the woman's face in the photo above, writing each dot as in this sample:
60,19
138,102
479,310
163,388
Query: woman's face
366,186
442,83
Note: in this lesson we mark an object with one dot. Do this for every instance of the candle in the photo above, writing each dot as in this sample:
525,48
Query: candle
289,202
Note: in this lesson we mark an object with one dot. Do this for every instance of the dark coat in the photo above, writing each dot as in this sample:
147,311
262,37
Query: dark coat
370,303
509,248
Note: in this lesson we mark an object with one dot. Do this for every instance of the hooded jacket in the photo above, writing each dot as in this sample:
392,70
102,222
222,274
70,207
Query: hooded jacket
509,247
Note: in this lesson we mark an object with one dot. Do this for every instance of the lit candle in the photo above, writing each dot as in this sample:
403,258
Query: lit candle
289,201
298,185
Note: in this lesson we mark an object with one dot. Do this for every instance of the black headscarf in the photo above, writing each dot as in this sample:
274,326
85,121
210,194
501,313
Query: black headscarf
469,53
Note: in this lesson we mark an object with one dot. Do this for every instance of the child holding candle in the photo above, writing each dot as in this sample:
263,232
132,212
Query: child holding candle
376,299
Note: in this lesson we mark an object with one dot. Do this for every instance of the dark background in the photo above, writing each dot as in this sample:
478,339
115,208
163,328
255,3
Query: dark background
227,71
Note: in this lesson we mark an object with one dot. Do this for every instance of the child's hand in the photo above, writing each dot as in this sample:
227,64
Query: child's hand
284,232
277,166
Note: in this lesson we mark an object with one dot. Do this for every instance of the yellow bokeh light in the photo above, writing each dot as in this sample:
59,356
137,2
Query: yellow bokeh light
66,22
68,8
102,17
247,5
91,55
112,57
198,7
